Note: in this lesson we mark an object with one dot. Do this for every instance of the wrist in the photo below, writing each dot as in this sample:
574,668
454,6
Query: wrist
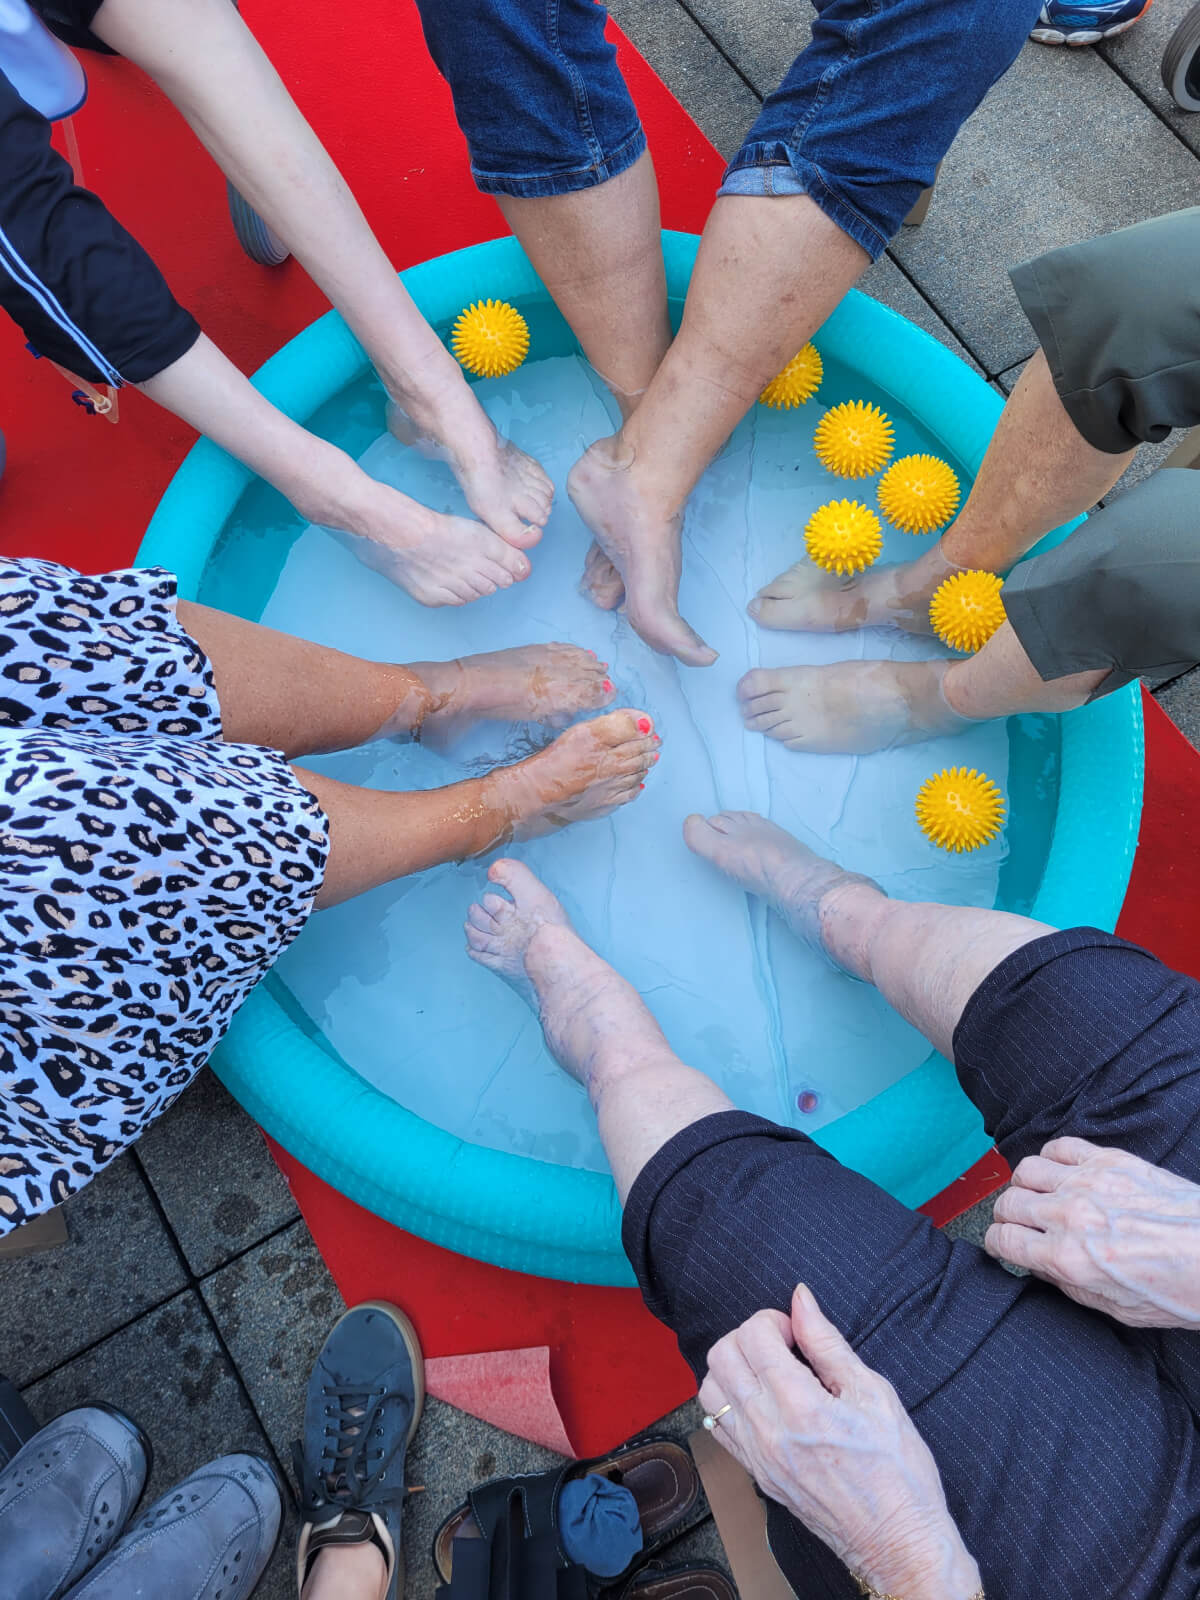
937,1569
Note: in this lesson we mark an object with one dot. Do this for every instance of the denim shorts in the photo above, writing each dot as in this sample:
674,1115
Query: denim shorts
859,123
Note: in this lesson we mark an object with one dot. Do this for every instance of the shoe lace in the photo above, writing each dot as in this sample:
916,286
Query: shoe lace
352,1465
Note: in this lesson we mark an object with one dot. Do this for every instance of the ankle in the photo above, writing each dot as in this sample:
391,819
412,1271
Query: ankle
351,1572
847,917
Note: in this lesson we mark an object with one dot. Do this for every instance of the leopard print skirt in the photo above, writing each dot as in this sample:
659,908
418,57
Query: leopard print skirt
150,874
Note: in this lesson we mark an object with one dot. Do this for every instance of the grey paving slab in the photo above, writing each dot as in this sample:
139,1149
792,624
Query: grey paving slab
1181,701
168,1372
1060,150
452,1452
884,281
1137,56
118,1262
695,71
761,37
211,1171
274,1307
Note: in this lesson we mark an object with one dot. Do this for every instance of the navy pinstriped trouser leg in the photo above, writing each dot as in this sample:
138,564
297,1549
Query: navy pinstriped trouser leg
1069,1446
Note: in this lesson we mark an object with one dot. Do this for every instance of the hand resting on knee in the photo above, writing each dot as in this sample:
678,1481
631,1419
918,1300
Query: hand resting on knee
1112,1231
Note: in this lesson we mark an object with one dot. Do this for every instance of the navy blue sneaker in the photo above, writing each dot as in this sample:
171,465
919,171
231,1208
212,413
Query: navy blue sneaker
65,1498
1073,22
208,1538
365,1399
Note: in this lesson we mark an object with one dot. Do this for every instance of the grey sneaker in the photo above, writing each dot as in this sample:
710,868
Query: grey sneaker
364,1402
209,1538
65,1497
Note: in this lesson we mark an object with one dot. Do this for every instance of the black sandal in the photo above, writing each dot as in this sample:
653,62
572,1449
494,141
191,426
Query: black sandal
518,1552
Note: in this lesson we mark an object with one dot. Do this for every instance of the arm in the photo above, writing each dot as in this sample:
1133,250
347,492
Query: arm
1112,1231
81,288
830,1441
206,60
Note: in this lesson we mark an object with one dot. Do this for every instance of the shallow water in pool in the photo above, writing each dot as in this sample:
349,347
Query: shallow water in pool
384,979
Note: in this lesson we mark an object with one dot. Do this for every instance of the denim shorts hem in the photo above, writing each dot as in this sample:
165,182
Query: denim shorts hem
775,169
541,185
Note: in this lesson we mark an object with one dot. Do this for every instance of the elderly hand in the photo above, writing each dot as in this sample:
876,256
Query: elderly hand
1113,1232
832,1443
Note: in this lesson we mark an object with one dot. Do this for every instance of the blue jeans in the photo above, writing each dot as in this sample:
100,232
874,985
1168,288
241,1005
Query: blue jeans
859,123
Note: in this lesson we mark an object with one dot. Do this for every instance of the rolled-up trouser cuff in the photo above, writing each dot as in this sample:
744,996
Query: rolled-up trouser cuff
1123,592
1119,321
540,185
670,1159
766,170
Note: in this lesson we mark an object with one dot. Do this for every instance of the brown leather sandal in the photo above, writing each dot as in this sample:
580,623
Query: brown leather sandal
658,1472
679,1583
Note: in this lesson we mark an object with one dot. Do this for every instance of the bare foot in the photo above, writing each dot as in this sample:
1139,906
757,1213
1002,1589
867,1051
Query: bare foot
806,598
439,560
550,684
850,707
506,489
765,860
588,772
601,582
582,1004
642,542
499,931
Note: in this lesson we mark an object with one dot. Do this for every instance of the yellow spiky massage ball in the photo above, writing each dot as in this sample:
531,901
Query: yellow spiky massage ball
853,440
919,493
959,809
798,381
843,537
490,338
967,609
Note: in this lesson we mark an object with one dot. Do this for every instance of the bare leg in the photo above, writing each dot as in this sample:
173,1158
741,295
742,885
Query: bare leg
301,698
768,274
588,772
926,960
207,61
595,1023
599,253
1039,472
857,706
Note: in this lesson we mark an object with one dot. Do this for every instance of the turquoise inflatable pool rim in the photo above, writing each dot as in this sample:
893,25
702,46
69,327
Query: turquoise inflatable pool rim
563,1222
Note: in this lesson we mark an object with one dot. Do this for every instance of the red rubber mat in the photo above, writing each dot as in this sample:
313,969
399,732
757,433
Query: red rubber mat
80,491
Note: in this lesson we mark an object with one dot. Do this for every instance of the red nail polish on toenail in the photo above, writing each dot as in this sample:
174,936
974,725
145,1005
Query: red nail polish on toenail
641,786
644,725
654,758
608,689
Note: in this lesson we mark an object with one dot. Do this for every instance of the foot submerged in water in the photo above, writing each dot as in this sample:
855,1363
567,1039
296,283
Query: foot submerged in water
765,860
549,684
851,707
643,547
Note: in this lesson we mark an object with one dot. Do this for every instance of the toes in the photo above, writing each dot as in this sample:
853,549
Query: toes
622,727
698,834
509,560
522,884
768,722
670,635
481,919
756,683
